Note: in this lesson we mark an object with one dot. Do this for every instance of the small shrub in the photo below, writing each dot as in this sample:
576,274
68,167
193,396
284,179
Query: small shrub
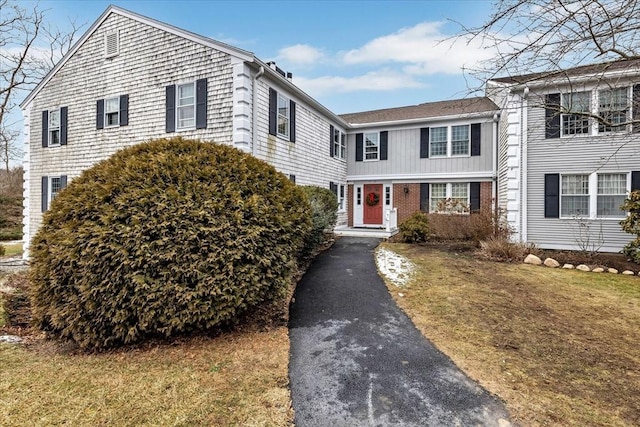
475,226
163,238
2,249
15,303
501,249
324,214
631,225
415,229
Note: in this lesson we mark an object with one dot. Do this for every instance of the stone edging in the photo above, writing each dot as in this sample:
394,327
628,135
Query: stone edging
552,263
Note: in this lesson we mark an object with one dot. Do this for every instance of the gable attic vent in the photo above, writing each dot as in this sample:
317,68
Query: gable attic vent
111,44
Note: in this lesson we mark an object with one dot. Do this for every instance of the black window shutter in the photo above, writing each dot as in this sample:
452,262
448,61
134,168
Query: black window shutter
100,114
292,121
424,197
474,196
331,140
635,180
170,103
63,125
424,143
359,146
45,193
63,181
201,104
552,195
476,138
552,116
292,178
333,187
384,145
273,111
45,128
124,110
635,107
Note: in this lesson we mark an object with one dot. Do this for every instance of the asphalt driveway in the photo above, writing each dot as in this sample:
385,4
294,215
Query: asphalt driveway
357,360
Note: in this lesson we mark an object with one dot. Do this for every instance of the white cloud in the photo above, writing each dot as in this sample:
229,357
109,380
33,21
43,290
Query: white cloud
423,48
300,54
383,80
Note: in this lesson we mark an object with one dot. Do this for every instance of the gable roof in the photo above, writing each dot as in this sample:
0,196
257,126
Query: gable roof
455,107
630,66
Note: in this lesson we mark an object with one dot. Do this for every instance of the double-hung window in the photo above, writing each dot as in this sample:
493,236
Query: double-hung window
438,197
460,140
572,121
459,196
449,197
574,196
371,146
283,115
112,112
438,142
186,106
613,107
612,191
54,128
339,144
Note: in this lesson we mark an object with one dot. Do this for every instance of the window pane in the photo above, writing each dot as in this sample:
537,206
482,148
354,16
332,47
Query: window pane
575,206
112,105
612,190
612,183
574,198
438,194
283,125
54,119
459,140
438,141
54,137
575,184
609,206
371,146
613,107
112,119
55,187
578,102
186,117
186,95
283,115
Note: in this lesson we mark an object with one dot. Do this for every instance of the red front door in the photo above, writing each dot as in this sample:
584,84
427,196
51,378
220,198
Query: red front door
372,204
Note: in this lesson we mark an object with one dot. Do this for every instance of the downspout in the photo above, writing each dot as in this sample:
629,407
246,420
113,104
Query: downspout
523,156
254,121
494,168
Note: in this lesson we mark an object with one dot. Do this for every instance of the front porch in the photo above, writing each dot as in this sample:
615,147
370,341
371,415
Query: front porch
387,229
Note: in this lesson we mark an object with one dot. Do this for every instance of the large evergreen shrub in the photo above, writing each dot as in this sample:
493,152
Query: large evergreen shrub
165,237
324,208
631,224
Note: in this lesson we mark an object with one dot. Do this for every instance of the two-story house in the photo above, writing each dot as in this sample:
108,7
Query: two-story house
413,158
131,78
563,173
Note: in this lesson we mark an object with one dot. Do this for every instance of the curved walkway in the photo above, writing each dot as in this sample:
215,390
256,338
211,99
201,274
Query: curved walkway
357,360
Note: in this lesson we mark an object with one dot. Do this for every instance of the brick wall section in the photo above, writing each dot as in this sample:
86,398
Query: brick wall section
486,199
407,203
350,205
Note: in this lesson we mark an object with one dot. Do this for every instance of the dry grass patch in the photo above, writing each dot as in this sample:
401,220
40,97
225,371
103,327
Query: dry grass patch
12,249
235,379
560,347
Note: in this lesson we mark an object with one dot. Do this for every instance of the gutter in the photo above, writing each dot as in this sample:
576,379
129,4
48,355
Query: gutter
425,119
523,158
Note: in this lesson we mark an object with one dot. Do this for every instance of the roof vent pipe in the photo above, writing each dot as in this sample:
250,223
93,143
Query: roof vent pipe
525,95
289,76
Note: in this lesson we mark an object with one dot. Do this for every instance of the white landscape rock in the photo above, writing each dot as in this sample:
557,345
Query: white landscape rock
598,270
628,273
11,339
568,266
612,271
395,268
550,262
583,267
533,260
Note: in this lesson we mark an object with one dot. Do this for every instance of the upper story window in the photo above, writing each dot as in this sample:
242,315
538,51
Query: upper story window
460,140
186,106
576,124
613,107
438,142
54,128
283,116
112,112
111,44
371,146
339,144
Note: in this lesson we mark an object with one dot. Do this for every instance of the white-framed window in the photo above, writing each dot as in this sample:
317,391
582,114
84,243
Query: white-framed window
574,196
340,191
449,197
371,146
460,140
185,106
283,116
112,112
612,191
111,44
339,144
438,142
54,128
55,185
613,107
575,124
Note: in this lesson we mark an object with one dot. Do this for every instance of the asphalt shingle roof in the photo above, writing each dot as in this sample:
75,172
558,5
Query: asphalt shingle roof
420,111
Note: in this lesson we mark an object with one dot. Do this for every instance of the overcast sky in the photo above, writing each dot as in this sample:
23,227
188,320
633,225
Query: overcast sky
350,56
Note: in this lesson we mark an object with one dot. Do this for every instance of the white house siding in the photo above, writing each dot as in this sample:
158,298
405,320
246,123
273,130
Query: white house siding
308,158
149,60
573,155
404,162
